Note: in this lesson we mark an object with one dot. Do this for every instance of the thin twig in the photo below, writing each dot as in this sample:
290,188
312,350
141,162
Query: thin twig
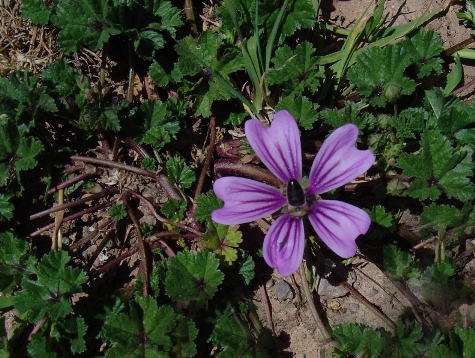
160,178
91,236
247,170
71,204
73,217
68,182
143,253
99,248
368,305
163,220
316,317
129,253
209,155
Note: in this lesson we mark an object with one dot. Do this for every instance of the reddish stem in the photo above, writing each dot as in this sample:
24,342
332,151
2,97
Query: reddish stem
209,155
247,170
160,178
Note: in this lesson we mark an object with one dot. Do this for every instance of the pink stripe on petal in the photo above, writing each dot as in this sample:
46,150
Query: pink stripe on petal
338,161
338,224
284,244
278,146
245,200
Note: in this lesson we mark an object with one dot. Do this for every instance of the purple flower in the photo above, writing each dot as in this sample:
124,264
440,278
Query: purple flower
337,223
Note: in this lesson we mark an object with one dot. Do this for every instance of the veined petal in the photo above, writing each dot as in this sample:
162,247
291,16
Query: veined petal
338,224
284,243
338,161
278,146
245,200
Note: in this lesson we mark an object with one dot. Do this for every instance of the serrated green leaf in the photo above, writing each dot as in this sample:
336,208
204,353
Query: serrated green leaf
85,23
443,216
467,336
147,42
6,207
379,216
222,240
247,269
193,278
407,345
350,114
301,15
48,294
424,47
304,111
159,125
174,209
159,75
437,160
410,122
296,70
205,204
27,150
61,78
397,262
171,17
36,11
179,173
144,332
185,333
117,212
355,339
13,260
379,74
38,348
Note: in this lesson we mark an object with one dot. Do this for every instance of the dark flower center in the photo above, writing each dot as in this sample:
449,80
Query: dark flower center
295,193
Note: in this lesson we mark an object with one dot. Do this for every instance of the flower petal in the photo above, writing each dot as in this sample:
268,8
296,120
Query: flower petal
284,244
338,224
278,146
245,200
338,161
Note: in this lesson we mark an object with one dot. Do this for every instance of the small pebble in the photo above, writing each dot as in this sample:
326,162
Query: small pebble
283,291
269,283
354,307
290,309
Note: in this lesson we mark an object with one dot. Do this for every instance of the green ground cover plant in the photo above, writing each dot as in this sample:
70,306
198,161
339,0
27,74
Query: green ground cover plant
92,176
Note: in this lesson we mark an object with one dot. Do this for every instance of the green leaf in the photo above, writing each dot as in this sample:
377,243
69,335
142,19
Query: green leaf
247,269
235,340
397,262
379,74
174,209
438,166
454,77
6,207
48,292
27,150
193,278
171,17
467,336
205,204
222,240
14,260
410,122
85,23
424,48
179,173
36,11
407,337
72,329
185,333
296,70
143,332
159,125
301,15
379,216
159,75
350,114
38,348
304,111
355,338
441,216
117,212
147,42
